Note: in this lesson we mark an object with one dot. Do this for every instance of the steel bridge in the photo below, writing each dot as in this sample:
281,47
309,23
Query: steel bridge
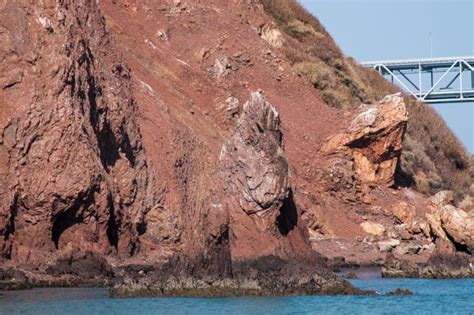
432,80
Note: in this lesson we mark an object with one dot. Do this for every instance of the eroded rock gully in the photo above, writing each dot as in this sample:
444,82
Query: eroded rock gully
125,155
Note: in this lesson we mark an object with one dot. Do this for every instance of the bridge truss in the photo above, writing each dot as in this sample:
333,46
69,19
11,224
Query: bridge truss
433,80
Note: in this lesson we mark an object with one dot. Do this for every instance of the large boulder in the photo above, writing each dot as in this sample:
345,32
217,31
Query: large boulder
450,223
373,228
459,225
404,213
407,248
254,164
388,245
374,140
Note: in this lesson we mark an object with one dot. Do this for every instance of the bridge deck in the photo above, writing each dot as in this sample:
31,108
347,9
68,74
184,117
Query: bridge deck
445,62
433,80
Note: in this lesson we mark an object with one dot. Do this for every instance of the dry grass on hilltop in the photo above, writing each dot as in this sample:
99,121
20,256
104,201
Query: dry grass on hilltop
433,159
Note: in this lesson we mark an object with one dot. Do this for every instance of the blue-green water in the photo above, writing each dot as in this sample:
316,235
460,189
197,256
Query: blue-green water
430,297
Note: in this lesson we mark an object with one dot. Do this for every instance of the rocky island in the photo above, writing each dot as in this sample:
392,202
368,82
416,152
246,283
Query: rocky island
210,148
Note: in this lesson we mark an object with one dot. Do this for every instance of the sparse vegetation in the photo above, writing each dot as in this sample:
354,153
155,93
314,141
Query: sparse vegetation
433,159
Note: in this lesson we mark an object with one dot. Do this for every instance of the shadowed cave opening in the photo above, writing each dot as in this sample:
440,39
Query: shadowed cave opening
459,247
71,216
63,222
402,178
288,217
112,224
109,143
10,227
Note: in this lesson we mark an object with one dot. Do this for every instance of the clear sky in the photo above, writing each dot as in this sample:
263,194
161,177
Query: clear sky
371,30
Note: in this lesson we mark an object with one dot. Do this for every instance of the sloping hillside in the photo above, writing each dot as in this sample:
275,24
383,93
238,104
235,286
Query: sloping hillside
433,159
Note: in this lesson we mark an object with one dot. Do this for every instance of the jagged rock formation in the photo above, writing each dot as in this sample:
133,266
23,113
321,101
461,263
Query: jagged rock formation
451,223
255,176
374,139
253,158
75,174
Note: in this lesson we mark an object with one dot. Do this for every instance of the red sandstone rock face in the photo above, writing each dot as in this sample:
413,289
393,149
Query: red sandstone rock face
75,173
374,139
122,133
95,158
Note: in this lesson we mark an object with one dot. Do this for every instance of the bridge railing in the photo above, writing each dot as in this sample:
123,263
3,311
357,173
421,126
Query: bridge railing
433,80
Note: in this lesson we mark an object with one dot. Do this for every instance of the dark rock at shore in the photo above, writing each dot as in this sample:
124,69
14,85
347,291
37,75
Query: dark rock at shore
339,262
11,278
453,266
399,292
269,275
15,279
87,269
183,276
87,265
351,275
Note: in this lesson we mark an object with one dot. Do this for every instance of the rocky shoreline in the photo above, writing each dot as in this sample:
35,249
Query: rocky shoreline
437,267
266,276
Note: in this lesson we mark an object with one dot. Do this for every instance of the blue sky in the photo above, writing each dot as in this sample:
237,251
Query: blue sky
399,29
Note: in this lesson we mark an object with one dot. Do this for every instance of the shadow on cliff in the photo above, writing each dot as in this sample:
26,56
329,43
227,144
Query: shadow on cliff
288,217
70,216
402,178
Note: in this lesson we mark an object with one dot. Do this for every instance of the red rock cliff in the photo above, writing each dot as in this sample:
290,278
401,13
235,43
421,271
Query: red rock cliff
74,170
133,130
111,135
